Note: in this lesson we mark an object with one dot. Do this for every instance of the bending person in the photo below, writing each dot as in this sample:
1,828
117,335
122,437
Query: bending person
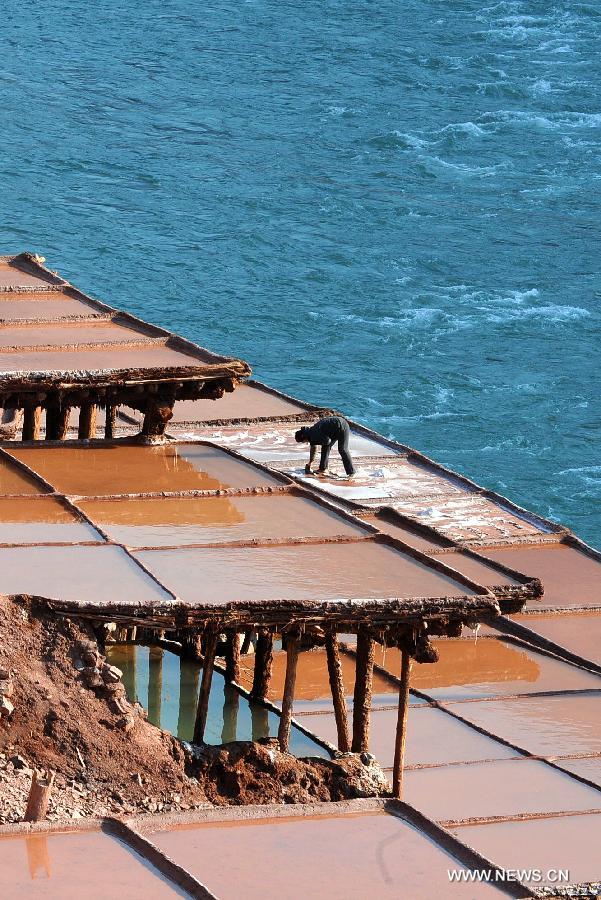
325,432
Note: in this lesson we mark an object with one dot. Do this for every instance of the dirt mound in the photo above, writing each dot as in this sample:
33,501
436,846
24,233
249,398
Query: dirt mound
245,772
71,715
63,708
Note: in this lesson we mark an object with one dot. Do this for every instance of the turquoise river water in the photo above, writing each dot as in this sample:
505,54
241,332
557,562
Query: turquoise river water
388,208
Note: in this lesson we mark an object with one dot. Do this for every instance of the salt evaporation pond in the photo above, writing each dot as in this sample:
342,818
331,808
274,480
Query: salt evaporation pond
167,687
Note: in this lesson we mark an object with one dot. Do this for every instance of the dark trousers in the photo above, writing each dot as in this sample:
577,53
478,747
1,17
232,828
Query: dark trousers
343,449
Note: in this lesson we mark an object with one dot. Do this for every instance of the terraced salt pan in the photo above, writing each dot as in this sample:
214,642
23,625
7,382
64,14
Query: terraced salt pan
75,865
167,686
406,534
471,517
13,481
95,360
67,333
304,573
579,633
511,787
546,726
50,305
433,738
12,277
102,574
350,856
246,402
41,520
571,578
312,692
274,443
488,668
589,768
125,469
396,478
566,842
476,569
171,521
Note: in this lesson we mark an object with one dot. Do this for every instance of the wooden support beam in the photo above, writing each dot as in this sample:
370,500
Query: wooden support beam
363,687
288,699
109,425
205,687
39,795
338,696
232,657
401,726
263,664
87,421
32,422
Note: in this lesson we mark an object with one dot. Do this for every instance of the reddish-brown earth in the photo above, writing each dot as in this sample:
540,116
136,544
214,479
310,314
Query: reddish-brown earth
67,712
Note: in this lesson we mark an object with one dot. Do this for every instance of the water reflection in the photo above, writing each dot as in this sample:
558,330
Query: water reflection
38,858
168,686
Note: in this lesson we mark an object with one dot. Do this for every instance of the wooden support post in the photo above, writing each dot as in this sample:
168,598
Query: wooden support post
232,657
109,424
10,419
401,726
58,414
263,664
288,699
52,421
191,646
363,686
337,687
205,687
32,420
248,635
158,413
39,795
62,429
87,421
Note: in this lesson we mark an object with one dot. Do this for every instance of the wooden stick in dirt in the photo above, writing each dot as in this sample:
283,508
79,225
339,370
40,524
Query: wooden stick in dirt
39,795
